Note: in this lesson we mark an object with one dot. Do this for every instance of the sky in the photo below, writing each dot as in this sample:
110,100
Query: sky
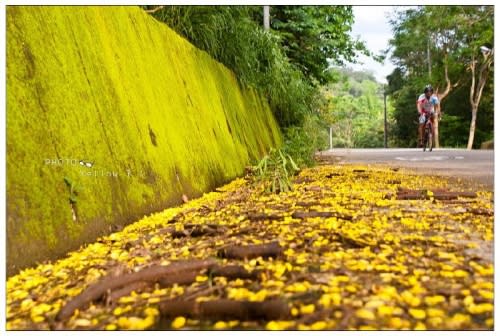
371,24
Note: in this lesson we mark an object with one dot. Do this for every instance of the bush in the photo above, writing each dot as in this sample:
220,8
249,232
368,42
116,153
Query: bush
273,172
303,142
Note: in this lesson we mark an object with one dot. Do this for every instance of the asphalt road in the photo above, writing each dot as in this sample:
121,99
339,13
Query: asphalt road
475,165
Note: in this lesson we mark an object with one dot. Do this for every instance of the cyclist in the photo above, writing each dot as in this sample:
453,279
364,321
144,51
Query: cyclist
427,106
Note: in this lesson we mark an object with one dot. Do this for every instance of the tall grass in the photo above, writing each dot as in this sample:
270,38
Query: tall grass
230,35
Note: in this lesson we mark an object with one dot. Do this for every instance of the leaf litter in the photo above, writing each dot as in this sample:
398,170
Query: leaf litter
349,248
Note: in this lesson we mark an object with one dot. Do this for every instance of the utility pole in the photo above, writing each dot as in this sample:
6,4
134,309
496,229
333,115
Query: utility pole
331,137
385,117
429,57
266,18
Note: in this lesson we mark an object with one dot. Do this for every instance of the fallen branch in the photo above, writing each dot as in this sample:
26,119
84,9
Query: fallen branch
233,272
272,249
195,230
437,194
307,204
351,243
459,201
454,195
312,188
262,216
324,214
303,180
180,279
242,232
485,212
136,286
224,309
201,292
307,297
411,196
150,274
406,190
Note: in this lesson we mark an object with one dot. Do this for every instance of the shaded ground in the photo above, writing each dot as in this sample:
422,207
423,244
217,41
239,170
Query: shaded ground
351,247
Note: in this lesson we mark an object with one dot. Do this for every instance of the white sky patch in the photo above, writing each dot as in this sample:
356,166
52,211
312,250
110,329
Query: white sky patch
371,24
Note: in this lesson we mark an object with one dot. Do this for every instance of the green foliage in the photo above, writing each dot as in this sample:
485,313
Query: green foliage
449,37
454,132
314,37
357,106
455,123
303,142
274,171
404,130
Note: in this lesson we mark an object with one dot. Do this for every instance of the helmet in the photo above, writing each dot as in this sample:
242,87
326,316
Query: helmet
428,88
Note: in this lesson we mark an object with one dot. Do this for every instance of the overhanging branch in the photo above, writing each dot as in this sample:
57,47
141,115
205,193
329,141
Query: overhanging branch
154,10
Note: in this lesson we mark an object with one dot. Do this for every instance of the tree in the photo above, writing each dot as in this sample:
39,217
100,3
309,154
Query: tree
437,44
476,89
423,41
479,38
315,37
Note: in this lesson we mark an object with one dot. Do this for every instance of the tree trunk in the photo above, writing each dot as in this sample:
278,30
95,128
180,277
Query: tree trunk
436,131
472,129
429,58
266,18
477,91
441,96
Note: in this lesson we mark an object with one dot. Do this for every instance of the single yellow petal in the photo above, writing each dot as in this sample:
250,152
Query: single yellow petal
111,327
385,310
433,312
417,313
365,314
395,323
420,326
179,322
220,325
433,300
201,278
308,309
320,325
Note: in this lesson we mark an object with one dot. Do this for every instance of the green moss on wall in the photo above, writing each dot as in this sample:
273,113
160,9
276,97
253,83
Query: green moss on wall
157,117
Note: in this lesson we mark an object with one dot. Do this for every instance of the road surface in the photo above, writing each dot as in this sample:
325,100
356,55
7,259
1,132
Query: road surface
475,165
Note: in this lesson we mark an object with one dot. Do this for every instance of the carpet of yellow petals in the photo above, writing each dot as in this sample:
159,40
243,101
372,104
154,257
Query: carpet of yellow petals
379,263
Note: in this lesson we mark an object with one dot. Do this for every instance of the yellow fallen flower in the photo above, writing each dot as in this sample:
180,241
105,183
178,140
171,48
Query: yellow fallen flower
179,322
417,313
365,314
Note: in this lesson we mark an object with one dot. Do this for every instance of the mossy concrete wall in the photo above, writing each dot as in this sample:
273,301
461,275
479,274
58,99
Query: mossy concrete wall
157,117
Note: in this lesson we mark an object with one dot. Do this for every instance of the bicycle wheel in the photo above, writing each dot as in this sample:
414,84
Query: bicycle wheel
426,138
430,140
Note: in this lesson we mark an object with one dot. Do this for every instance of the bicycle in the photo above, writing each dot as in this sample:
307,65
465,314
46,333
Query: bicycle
428,134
